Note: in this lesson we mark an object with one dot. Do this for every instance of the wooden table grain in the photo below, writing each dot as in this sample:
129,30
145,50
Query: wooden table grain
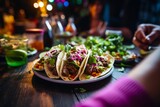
19,87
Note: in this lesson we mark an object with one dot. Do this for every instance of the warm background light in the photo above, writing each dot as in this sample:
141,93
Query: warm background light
41,4
35,5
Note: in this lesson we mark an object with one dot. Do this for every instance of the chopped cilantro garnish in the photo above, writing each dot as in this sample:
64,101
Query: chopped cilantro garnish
92,60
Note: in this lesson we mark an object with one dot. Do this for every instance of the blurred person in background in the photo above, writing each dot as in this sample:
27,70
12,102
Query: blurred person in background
9,20
20,22
93,23
126,15
119,15
123,16
8,17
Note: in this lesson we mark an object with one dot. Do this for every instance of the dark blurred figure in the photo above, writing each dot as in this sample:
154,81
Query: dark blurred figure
9,20
126,15
149,12
93,23
8,17
20,23
123,15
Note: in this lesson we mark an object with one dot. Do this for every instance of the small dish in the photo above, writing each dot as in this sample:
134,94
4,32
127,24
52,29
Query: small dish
31,52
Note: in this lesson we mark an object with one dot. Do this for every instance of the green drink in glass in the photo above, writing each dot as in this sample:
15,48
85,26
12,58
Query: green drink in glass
16,51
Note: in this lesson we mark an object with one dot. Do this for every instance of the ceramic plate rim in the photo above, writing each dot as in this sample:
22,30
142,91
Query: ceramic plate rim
39,74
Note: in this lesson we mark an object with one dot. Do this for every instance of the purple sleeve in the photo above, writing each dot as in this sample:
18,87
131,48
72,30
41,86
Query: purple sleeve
123,93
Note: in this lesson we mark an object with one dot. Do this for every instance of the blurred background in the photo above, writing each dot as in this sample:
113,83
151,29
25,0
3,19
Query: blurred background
124,15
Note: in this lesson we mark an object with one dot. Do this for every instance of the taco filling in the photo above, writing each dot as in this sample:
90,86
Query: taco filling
124,55
50,61
96,65
70,70
39,65
74,59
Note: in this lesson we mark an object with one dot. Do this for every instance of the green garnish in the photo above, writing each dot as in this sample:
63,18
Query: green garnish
92,60
62,47
67,48
101,68
88,76
73,63
52,61
113,53
82,90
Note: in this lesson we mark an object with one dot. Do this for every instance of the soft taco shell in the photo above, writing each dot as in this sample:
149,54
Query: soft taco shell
83,76
38,65
66,78
58,65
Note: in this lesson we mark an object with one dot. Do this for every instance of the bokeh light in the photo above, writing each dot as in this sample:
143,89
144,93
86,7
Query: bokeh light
66,3
35,5
49,7
41,4
62,17
51,1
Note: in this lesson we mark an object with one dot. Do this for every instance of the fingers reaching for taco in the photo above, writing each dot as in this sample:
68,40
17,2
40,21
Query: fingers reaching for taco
96,66
73,61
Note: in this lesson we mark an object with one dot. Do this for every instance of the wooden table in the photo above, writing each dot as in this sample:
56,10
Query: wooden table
19,87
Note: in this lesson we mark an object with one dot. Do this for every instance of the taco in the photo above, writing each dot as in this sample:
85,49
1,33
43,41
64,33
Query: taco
96,66
126,56
39,64
52,61
73,62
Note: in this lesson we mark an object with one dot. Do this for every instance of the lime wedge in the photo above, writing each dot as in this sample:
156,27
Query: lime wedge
144,53
20,52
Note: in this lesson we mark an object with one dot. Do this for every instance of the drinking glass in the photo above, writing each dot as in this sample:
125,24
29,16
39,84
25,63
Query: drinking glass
35,38
15,50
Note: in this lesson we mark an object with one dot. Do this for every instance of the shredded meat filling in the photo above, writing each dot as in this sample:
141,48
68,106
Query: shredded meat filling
52,69
88,69
65,71
69,69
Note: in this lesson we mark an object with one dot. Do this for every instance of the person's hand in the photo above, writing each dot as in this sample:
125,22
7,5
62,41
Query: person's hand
146,35
99,30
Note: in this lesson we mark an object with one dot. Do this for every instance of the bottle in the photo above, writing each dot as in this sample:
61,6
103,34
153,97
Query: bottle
48,36
57,27
62,19
71,26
